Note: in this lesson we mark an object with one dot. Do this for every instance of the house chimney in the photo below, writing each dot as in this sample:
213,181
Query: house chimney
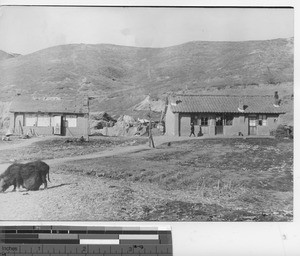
241,105
276,99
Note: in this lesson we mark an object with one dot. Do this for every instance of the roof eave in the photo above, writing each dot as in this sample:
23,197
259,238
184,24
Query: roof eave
231,112
51,112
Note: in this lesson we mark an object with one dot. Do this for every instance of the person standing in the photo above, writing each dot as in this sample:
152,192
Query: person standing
192,130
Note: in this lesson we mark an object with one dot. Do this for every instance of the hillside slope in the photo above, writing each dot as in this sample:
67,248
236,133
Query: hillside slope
121,77
4,55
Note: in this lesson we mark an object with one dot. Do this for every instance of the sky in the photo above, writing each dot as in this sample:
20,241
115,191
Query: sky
26,29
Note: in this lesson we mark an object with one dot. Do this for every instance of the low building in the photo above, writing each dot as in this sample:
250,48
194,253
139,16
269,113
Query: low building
49,116
222,115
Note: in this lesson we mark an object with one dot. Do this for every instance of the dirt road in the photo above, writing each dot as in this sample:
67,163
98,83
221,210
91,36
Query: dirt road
109,152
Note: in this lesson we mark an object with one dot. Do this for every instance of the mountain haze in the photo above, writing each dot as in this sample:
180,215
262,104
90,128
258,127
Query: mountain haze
120,77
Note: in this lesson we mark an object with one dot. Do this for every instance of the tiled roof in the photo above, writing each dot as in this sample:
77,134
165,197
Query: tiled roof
223,104
27,104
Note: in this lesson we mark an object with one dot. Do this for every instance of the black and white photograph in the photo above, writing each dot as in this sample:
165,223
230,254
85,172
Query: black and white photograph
146,113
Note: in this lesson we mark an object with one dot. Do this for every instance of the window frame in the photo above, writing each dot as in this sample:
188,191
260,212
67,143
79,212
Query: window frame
262,120
72,117
31,116
204,121
45,117
228,119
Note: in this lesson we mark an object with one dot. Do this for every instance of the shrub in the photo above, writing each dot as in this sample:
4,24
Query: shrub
283,131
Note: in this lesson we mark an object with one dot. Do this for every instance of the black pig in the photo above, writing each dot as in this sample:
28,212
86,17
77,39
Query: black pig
30,176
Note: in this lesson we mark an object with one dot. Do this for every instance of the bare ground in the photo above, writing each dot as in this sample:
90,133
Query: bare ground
194,180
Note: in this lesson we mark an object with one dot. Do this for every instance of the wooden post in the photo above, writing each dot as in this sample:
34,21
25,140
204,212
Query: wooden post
151,142
20,127
88,118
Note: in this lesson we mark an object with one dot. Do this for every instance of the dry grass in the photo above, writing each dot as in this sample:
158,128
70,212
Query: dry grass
219,180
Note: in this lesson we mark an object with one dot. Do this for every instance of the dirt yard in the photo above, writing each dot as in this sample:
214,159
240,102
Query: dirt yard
222,179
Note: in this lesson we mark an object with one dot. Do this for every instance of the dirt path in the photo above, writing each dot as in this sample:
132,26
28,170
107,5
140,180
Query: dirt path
109,152
20,143
159,140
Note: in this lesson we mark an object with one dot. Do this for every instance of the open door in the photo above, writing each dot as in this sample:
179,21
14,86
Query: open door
252,125
19,123
185,125
57,124
219,125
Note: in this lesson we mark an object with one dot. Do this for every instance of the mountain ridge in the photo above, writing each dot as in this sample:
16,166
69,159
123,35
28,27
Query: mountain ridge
120,77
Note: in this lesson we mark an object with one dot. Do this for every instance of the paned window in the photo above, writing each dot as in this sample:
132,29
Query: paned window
262,120
252,121
30,120
43,120
72,121
204,121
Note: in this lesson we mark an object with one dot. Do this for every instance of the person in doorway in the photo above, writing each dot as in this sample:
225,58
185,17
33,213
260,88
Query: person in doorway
192,130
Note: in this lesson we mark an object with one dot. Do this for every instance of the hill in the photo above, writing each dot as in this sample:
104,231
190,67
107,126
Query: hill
120,77
4,55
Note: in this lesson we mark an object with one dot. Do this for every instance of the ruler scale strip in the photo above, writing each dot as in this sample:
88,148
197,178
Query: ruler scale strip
85,241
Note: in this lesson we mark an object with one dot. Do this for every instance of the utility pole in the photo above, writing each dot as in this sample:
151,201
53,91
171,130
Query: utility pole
88,118
151,142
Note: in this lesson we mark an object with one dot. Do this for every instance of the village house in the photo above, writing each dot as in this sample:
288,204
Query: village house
49,116
222,115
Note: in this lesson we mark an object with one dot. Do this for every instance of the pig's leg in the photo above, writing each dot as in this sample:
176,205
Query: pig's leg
15,185
44,180
19,183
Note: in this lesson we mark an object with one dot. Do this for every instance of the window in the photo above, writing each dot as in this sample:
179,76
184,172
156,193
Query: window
228,119
30,120
72,121
204,121
43,120
262,120
194,119
219,121
52,121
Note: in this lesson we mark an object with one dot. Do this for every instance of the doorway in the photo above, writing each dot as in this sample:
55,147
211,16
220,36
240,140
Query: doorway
19,123
185,125
57,124
219,125
252,125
